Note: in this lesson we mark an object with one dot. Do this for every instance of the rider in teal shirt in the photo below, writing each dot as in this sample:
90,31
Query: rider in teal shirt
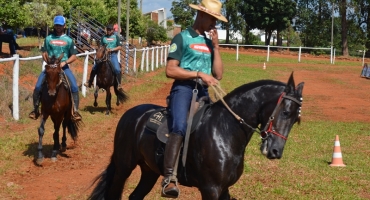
54,45
113,45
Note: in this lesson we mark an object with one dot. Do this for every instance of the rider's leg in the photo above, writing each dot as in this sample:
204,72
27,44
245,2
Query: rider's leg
92,76
117,69
74,90
36,96
179,104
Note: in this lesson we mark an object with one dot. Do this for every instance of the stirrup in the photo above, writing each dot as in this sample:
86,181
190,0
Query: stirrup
171,192
34,115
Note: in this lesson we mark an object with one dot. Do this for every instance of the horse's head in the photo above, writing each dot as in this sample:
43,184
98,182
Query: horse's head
101,53
52,71
279,117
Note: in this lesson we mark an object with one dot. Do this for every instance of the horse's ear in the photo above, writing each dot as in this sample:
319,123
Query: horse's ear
299,88
291,85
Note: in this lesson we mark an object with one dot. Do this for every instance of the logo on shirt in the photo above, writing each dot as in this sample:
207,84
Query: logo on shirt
173,48
110,39
200,47
58,42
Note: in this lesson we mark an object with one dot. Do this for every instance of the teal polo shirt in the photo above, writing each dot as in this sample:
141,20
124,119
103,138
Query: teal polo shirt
193,51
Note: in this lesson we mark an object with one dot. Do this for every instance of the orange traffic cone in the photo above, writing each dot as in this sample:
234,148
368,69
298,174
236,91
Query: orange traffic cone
337,160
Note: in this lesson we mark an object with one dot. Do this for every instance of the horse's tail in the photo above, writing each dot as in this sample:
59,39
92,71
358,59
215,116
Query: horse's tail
121,95
104,181
74,128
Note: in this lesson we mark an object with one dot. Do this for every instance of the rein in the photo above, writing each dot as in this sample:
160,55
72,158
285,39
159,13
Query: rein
268,128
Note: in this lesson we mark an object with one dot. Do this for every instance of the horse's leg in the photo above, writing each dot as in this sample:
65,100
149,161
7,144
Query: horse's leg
56,146
225,195
41,130
96,96
108,99
210,192
147,181
64,137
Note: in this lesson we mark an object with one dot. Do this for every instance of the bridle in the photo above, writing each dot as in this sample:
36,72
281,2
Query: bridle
104,58
55,65
268,130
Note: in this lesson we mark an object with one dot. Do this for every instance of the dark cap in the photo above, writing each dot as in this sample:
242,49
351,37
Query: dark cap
109,26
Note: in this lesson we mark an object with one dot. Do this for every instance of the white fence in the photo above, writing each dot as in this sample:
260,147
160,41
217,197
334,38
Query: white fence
150,56
158,55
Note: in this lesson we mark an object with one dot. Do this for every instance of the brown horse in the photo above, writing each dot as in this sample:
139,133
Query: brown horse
56,102
105,79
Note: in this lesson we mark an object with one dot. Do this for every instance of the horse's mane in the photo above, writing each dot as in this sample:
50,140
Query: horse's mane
252,85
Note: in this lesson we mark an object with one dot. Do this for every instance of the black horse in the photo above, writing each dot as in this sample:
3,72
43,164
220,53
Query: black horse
215,158
105,79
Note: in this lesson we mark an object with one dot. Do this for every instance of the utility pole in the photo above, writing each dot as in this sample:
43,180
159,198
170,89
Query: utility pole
332,34
127,31
119,16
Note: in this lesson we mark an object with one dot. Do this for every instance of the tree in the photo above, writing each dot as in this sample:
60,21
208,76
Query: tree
268,15
155,33
182,13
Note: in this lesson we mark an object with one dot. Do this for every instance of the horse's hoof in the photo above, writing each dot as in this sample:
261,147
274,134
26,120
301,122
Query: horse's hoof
63,149
117,103
39,160
95,104
53,159
107,113
54,154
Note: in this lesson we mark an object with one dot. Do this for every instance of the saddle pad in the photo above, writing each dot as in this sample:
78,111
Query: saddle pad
157,122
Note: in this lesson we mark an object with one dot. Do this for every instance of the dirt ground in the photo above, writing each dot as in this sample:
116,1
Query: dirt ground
71,176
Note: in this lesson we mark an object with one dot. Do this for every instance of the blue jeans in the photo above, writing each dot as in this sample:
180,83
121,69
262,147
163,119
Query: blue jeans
179,104
114,60
69,74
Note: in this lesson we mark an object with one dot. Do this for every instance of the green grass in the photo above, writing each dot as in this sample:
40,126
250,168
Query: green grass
302,173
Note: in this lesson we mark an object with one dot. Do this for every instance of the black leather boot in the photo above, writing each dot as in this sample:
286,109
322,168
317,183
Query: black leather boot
76,116
171,154
36,102
91,79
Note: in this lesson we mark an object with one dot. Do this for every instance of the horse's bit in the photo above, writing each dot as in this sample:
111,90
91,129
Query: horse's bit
268,128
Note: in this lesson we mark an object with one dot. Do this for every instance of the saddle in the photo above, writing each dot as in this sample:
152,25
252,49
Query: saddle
157,122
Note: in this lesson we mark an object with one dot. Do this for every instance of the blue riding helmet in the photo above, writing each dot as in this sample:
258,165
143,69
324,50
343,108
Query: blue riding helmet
59,20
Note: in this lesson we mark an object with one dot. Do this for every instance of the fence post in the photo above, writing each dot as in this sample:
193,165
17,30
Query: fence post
156,57
152,63
84,74
134,68
162,55
127,51
16,87
299,54
334,56
237,52
331,54
43,64
363,58
268,53
147,59
165,54
142,60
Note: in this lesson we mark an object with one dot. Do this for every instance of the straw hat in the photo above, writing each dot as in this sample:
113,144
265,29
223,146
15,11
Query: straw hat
211,7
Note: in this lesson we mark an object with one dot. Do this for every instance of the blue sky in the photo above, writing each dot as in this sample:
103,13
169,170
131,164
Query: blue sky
149,5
